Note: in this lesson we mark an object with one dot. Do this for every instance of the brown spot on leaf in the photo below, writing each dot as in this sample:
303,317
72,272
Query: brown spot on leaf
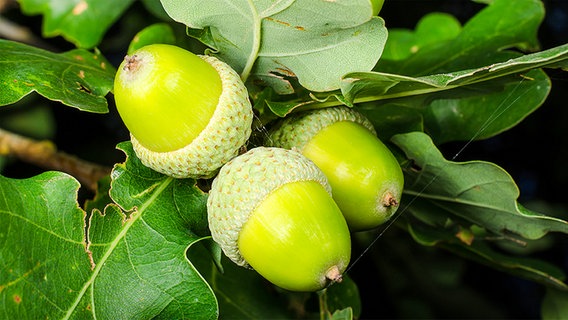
80,8
300,28
278,21
90,255
17,299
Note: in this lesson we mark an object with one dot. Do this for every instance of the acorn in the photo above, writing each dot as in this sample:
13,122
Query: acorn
365,177
187,114
271,210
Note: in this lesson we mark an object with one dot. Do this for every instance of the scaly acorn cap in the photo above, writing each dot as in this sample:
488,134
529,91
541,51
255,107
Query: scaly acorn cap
305,127
226,132
244,182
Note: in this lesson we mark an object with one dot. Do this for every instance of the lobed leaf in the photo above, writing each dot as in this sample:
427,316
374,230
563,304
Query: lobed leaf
166,217
77,78
472,97
471,112
82,22
370,86
43,258
476,191
466,206
456,83
314,41
465,105
121,261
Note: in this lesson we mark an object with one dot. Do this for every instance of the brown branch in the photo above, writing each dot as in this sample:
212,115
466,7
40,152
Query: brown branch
44,154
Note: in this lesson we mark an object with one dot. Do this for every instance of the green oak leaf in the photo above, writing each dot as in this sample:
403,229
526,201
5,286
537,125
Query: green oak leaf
466,113
122,260
77,78
165,216
361,87
495,85
469,104
478,192
43,258
501,25
470,116
82,22
433,28
314,41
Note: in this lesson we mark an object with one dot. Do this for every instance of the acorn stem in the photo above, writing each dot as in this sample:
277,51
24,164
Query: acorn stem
334,274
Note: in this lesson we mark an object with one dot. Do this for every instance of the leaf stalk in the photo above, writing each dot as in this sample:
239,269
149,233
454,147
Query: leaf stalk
255,42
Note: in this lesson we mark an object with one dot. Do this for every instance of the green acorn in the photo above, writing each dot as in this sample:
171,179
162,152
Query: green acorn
187,114
271,209
365,177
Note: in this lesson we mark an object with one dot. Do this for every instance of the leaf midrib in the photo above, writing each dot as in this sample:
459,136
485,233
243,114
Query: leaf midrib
460,201
133,218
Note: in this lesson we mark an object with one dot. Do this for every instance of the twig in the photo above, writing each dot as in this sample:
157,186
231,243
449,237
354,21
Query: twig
44,154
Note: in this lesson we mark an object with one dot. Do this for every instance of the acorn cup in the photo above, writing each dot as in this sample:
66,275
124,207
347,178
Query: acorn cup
271,209
187,114
365,177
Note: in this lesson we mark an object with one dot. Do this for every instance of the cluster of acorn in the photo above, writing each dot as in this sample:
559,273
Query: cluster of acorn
287,208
